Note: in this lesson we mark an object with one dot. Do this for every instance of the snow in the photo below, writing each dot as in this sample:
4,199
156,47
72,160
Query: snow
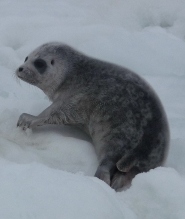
48,172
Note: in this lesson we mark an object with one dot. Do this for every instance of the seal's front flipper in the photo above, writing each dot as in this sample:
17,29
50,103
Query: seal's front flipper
28,121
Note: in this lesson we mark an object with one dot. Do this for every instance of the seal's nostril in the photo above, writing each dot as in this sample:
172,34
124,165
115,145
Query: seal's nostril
20,69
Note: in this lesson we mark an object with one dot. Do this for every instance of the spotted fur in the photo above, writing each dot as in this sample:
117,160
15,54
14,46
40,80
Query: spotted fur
116,107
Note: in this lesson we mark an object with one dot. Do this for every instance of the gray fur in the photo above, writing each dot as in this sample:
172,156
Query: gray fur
116,107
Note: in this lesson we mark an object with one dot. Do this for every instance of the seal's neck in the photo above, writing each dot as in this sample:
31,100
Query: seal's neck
50,90
51,93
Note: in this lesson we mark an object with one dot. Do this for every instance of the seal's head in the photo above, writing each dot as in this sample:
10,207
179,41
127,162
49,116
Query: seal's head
46,67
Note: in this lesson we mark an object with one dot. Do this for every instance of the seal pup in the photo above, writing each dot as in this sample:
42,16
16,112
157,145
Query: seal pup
116,107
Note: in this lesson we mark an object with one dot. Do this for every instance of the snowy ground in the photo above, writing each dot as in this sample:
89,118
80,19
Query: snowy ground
48,173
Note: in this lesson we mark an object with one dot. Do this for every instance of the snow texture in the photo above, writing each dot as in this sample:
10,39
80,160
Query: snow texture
48,172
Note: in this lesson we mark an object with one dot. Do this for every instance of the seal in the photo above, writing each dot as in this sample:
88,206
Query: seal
116,107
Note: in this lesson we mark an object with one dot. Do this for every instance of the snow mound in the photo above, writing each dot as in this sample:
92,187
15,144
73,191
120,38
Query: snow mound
35,191
159,193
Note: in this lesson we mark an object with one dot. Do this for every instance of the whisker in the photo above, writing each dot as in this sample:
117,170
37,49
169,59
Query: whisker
16,78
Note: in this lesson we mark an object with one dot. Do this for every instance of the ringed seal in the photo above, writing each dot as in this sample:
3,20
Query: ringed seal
116,107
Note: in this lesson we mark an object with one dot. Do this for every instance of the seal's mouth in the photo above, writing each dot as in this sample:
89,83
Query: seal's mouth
29,81
26,76
20,77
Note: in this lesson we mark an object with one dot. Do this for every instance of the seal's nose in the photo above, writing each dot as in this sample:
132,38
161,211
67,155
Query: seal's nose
20,69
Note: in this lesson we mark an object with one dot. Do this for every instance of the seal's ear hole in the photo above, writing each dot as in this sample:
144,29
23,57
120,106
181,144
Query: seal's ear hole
52,62
26,59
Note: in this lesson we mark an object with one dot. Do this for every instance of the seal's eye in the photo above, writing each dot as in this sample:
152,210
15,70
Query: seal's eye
40,65
26,59
52,62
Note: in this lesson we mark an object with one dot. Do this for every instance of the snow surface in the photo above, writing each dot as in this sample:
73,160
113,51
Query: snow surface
48,172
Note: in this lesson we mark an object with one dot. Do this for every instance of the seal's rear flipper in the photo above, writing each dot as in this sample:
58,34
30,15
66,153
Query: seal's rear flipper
106,171
122,180
125,164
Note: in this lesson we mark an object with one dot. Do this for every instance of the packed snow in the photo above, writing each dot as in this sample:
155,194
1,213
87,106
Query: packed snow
48,172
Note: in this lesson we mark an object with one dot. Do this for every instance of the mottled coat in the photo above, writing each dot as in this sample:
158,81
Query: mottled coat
116,107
